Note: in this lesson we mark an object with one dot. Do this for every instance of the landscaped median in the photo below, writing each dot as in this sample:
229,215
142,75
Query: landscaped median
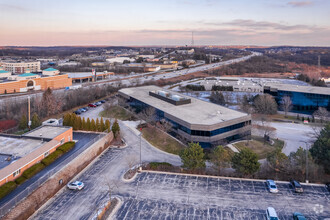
36,168
259,146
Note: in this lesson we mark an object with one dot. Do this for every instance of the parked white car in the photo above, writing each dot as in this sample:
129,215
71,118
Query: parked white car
271,186
271,214
76,185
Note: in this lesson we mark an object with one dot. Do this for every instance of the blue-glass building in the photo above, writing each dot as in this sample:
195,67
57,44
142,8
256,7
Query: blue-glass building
305,99
194,120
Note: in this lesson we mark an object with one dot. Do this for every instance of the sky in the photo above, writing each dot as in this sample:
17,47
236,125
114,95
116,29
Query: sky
170,22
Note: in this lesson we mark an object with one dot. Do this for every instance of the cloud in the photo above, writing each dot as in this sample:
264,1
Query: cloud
235,32
300,4
12,7
264,26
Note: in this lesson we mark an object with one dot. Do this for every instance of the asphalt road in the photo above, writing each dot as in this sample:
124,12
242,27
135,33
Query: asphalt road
294,135
132,81
161,196
82,140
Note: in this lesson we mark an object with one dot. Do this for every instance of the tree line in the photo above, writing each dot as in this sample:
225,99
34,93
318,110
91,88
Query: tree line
79,123
50,104
257,64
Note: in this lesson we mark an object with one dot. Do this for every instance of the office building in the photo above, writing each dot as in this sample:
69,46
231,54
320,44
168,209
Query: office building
192,119
305,99
21,67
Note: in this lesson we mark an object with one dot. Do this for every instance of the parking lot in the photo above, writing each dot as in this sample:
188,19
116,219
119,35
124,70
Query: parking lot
167,196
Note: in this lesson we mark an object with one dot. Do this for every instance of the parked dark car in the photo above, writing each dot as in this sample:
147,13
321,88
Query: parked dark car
102,101
298,216
296,186
327,185
77,112
91,105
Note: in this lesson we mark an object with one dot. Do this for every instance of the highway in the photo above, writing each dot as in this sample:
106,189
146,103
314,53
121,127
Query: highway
133,79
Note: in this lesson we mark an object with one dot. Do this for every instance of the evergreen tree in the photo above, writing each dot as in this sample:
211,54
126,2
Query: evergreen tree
115,129
192,157
71,119
321,149
93,125
23,123
102,125
83,125
98,128
220,157
66,119
246,161
35,121
88,125
107,125
79,123
76,123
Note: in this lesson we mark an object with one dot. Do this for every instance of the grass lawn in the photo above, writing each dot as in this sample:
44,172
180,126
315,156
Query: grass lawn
257,146
117,112
162,140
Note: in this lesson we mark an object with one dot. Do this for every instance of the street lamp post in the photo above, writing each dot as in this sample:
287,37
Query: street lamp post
306,151
140,144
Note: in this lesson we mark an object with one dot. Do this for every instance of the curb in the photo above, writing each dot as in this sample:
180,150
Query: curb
118,205
151,144
133,178
223,177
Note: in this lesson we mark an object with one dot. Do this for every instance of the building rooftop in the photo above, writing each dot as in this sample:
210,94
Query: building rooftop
50,69
45,131
303,89
18,146
197,112
27,74
14,166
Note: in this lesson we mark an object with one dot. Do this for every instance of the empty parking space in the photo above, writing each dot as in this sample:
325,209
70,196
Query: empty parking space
170,196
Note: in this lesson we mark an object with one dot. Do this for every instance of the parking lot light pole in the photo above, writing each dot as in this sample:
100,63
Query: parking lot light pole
140,145
306,151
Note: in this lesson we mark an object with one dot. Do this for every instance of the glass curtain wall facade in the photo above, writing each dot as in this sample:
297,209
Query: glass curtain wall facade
302,102
140,106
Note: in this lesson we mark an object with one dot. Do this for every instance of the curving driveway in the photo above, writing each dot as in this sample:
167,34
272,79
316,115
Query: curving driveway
110,167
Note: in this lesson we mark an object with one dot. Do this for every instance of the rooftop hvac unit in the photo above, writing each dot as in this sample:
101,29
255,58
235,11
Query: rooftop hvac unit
163,93
177,98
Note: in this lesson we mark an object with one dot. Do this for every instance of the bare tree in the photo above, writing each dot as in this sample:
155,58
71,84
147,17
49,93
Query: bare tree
264,128
131,161
165,126
51,105
111,185
322,113
286,104
148,115
265,104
